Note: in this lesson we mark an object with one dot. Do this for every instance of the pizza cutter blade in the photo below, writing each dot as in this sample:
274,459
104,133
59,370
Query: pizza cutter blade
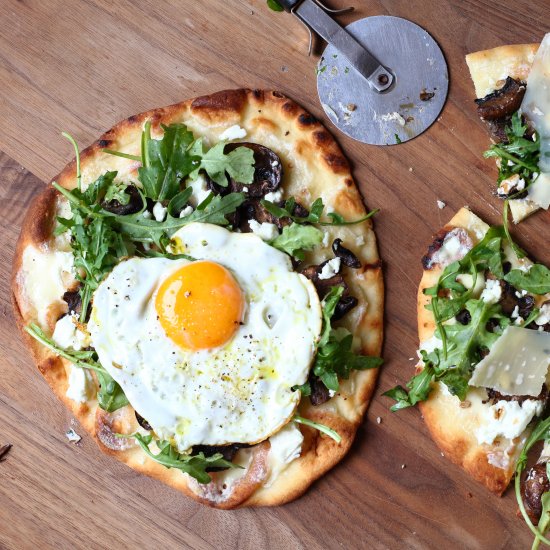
382,80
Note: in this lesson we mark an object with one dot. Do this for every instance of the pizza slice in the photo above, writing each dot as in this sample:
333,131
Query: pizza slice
512,84
484,331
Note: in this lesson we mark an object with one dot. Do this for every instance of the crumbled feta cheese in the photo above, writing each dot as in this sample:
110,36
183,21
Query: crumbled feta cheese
72,436
285,446
326,237
515,313
200,190
233,132
146,215
245,189
492,292
441,205
331,268
507,419
267,231
510,163
66,333
159,212
186,211
513,183
274,196
544,315
81,386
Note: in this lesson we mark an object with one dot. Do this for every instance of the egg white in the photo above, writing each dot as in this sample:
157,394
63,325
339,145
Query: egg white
238,392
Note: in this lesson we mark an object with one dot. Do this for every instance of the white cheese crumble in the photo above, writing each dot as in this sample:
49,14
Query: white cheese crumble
81,385
72,436
492,292
233,132
544,315
186,211
159,212
326,237
66,334
507,419
200,191
267,231
245,189
441,205
146,215
286,446
274,196
331,268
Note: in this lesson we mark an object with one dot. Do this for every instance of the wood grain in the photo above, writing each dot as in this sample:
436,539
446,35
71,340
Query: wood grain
82,66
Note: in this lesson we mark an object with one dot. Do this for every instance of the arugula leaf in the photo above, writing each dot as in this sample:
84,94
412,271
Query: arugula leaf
315,213
274,5
329,304
304,389
117,192
318,426
419,390
110,396
296,238
536,280
194,465
140,229
335,360
239,163
539,433
523,153
166,161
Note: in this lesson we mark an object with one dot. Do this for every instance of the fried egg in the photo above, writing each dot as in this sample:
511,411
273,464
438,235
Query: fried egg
208,350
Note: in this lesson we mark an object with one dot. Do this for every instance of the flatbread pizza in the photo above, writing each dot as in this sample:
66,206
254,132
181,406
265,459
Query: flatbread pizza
512,86
481,380
201,287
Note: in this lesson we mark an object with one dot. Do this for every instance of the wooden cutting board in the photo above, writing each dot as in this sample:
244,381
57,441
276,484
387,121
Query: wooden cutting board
81,67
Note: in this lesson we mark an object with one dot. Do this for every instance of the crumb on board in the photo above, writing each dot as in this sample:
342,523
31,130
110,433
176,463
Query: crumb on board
441,205
403,466
4,450
410,169
379,420
72,436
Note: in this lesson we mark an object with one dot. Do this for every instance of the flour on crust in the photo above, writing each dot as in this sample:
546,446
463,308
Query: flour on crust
314,167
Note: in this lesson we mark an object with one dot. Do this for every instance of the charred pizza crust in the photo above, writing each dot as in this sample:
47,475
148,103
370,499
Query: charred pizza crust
314,167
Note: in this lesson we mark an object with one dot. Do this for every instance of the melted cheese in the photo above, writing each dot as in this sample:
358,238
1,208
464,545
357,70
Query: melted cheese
45,275
517,363
536,107
286,446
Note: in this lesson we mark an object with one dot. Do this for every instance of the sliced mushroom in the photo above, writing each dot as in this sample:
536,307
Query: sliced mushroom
347,256
509,300
73,300
319,392
268,172
134,205
142,422
535,485
503,102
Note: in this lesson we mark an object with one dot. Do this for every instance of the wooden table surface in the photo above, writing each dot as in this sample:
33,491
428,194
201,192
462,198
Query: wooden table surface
82,66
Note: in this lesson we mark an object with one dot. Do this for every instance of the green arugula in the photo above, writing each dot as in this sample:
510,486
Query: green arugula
296,238
194,465
274,5
110,396
540,432
536,280
523,153
335,358
318,426
315,213
419,389
166,161
239,163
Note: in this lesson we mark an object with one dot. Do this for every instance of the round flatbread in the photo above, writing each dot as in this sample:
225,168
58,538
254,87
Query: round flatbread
314,167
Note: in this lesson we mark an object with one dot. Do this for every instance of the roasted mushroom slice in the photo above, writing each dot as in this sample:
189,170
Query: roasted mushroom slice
347,256
535,485
268,172
135,203
227,451
503,102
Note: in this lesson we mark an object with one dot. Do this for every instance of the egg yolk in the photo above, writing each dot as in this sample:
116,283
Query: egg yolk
200,306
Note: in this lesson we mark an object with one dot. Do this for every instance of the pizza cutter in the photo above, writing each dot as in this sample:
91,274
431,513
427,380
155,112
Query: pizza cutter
382,80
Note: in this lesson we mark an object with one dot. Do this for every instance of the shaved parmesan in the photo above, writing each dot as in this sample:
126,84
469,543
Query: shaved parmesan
536,107
517,363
